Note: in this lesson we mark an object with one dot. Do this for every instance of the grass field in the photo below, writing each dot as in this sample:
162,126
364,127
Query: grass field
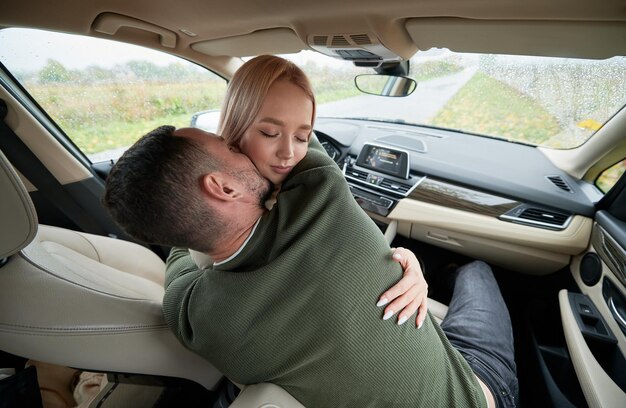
610,176
482,104
104,117
434,69
108,116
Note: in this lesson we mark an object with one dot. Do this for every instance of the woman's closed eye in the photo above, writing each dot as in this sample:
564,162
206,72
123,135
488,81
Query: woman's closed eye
269,134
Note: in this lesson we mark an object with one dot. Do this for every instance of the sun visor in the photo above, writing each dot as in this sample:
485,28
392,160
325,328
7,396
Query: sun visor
597,40
271,41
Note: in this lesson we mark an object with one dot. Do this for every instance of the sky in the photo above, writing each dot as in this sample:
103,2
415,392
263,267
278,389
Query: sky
30,49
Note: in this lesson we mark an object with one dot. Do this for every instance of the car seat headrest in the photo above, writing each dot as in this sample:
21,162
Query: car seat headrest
18,218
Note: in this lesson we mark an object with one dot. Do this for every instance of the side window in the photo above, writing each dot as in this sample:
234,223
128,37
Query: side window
103,94
609,177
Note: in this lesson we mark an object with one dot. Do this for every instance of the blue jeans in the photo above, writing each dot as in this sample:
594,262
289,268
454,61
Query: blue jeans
478,325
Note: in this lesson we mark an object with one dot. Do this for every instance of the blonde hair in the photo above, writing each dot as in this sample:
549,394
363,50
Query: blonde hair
248,88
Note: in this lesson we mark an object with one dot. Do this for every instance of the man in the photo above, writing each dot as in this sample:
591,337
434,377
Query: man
288,298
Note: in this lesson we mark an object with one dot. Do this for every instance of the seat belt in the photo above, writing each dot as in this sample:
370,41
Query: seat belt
24,160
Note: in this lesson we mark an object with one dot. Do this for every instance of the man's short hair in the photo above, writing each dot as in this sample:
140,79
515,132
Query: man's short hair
154,193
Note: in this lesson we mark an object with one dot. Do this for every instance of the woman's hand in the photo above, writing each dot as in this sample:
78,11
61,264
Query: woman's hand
410,294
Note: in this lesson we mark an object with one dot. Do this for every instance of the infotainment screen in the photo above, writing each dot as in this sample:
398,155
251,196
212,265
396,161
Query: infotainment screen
384,160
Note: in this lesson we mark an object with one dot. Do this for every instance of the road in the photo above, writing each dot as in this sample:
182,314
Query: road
419,107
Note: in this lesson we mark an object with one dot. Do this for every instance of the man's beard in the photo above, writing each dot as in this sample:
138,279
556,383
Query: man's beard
256,184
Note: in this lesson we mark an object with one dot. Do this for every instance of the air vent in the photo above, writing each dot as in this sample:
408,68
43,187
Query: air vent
320,40
357,174
375,182
339,41
549,217
537,217
361,39
395,186
560,183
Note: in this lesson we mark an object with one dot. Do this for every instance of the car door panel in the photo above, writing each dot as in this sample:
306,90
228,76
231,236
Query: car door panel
75,183
599,365
599,387
65,167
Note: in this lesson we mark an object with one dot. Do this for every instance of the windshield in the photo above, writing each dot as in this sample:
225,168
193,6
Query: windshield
552,102
103,94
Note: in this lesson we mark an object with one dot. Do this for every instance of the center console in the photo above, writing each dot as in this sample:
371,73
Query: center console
379,177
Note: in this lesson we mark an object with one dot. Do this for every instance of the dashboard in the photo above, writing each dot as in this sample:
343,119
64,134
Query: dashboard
490,199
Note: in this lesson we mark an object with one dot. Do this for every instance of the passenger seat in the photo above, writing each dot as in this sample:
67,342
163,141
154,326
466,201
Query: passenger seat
82,300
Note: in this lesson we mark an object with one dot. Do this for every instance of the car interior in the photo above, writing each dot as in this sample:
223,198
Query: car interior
79,295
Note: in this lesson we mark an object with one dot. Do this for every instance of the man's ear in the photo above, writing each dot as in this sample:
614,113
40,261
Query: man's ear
221,186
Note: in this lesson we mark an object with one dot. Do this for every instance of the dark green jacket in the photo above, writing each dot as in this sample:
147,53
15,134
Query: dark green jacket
297,307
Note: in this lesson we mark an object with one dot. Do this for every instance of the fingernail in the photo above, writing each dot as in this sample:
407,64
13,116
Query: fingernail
388,315
420,325
397,256
402,320
382,302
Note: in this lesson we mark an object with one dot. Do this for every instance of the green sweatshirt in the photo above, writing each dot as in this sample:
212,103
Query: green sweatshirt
297,307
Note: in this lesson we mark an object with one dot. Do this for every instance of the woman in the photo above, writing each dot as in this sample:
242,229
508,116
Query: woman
268,115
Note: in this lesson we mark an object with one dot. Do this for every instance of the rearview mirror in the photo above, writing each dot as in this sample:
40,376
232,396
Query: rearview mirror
385,85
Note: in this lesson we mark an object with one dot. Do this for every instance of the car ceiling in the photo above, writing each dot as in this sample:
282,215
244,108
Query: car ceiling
558,27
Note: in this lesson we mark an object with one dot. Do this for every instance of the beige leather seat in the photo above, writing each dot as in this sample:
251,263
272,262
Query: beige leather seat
82,300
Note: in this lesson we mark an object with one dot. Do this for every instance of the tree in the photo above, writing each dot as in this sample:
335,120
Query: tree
144,70
96,74
54,72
